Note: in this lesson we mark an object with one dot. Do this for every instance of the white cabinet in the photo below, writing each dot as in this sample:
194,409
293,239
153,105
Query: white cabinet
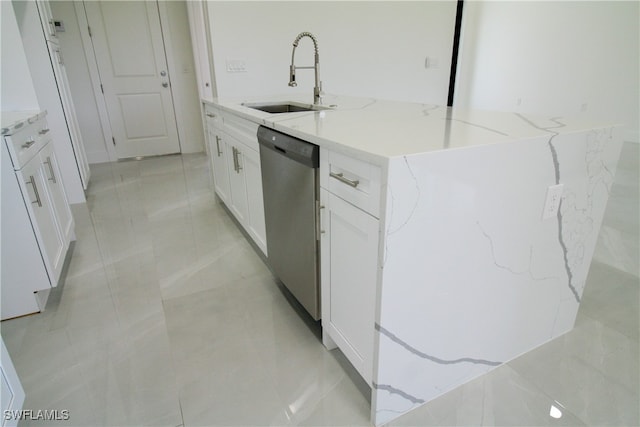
237,182
19,247
52,179
255,204
349,258
218,153
245,179
236,172
37,224
43,215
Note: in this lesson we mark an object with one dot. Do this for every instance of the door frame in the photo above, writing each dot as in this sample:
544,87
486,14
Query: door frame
94,75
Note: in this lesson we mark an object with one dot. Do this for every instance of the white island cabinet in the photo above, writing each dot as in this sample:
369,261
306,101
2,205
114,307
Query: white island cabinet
217,153
454,240
236,173
349,199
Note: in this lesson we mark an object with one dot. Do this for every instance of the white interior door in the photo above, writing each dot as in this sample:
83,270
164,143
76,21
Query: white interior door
128,44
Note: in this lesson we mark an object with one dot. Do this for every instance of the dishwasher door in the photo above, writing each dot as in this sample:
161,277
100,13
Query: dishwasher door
290,190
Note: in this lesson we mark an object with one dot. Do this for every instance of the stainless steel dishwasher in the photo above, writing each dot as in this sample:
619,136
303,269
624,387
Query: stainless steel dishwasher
290,188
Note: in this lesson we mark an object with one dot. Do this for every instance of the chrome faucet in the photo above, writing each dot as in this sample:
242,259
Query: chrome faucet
317,89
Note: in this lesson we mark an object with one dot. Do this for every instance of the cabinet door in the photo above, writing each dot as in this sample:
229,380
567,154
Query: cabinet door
51,173
255,203
349,272
219,152
43,218
237,185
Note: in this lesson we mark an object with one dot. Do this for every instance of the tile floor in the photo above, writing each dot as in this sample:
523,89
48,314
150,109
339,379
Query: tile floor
168,317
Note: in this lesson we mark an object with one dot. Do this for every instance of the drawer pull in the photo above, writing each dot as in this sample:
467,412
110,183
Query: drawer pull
211,115
44,131
340,177
29,143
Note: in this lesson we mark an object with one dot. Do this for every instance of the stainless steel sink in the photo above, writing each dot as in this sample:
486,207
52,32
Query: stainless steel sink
283,107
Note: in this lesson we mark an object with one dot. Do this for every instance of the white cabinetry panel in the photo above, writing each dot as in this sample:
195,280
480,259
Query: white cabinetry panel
236,171
349,273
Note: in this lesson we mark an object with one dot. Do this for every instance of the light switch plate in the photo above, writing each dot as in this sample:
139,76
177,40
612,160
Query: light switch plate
552,203
236,66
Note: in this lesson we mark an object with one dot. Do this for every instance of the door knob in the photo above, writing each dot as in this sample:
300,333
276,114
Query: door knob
163,73
165,84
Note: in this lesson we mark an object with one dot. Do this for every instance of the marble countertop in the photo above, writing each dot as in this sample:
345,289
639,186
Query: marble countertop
377,130
13,120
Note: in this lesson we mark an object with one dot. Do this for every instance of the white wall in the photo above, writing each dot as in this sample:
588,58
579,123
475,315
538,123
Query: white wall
560,58
80,82
16,87
375,49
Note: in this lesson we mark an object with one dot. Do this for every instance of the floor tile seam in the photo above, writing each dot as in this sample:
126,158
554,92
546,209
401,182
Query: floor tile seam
101,251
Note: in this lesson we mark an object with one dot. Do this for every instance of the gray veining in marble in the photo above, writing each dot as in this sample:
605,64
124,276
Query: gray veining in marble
556,168
435,359
528,271
397,391
477,126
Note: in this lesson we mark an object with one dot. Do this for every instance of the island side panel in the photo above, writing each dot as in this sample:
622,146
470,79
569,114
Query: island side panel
472,275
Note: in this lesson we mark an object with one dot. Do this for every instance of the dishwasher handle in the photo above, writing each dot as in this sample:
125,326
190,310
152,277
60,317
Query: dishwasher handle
288,146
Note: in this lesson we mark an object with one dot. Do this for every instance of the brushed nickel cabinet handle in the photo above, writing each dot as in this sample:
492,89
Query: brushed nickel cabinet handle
53,176
32,181
29,143
340,177
218,145
238,154
235,159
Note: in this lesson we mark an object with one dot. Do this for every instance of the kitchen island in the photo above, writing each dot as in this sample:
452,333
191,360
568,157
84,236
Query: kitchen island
471,237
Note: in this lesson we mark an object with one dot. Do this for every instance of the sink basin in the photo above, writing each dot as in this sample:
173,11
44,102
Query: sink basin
284,107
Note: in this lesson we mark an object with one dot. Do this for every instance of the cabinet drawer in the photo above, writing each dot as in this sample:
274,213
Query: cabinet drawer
27,141
353,180
245,130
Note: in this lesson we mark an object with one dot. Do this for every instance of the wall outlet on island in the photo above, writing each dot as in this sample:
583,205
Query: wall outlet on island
552,203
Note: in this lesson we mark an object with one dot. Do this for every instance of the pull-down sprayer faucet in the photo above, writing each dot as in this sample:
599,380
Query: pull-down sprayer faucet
317,89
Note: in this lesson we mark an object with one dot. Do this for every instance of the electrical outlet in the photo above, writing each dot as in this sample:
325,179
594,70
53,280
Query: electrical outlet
431,62
552,203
